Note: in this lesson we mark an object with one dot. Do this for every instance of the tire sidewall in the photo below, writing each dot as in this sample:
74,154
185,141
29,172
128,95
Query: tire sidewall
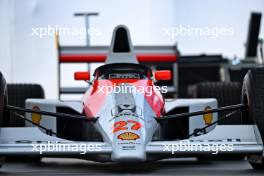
251,97
255,106
3,100
248,98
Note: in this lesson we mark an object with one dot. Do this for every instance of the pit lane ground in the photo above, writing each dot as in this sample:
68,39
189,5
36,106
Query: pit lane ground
186,166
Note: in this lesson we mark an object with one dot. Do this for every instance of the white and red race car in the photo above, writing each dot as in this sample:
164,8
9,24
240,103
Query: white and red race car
123,117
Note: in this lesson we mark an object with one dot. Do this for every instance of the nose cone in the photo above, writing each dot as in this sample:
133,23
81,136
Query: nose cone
126,122
129,152
129,139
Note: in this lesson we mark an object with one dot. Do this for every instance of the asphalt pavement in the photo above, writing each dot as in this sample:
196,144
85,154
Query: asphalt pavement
67,166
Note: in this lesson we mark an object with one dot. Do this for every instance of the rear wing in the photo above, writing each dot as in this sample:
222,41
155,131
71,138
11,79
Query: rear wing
95,54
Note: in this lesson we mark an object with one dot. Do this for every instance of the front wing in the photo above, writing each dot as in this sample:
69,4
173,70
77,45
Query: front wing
224,139
243,139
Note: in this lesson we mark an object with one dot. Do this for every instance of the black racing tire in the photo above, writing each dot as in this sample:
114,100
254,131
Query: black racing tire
2,161
257,166
4,115
253,97
2,98
226,93
17,95
3,101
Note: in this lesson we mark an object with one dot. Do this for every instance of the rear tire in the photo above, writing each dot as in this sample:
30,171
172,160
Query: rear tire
253,96
17,95
226,93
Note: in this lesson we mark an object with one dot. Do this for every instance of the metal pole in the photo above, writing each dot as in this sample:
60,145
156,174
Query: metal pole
87,30
86,16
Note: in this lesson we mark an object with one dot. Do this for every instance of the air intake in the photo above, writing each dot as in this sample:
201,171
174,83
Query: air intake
121,44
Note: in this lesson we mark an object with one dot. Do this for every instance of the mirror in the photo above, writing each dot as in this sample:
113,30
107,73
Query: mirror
163,75
84,76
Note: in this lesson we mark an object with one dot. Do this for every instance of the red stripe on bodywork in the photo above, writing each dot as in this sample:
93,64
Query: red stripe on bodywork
102,58
94,99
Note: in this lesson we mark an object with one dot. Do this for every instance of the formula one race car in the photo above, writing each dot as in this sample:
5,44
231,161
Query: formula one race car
124,118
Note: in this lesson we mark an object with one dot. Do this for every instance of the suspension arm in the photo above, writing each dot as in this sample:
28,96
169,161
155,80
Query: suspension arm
189,114
53,114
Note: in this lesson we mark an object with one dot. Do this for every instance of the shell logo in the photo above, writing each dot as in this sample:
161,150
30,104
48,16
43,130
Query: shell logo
36,118
128,136
208,118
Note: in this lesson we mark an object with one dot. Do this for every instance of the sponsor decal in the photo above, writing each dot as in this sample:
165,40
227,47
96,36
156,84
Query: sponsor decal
129,147
128,136
36,118
122,125
208,118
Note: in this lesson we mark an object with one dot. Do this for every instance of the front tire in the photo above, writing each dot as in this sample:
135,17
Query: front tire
253,97
3,101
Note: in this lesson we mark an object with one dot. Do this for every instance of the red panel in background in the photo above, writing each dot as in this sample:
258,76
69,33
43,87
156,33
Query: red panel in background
85,76
82,58
102,57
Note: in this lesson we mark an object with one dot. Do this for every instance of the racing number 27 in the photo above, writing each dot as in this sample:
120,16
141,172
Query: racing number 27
122,125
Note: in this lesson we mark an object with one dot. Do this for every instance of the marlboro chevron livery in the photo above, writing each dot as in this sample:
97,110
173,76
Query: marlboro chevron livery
123,117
